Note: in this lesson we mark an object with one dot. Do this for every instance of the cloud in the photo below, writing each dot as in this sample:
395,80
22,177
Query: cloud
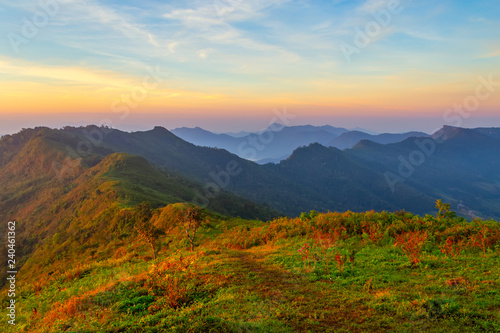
62,74
371,6
209,25
203,54
421,34
477,19
492,54
88,12
193,18
220,12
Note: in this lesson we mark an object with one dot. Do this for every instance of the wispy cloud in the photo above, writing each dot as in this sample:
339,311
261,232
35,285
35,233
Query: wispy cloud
492,54
371,6
72,75
91,12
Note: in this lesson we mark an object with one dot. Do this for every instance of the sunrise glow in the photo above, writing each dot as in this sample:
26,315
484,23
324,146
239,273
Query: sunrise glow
221,63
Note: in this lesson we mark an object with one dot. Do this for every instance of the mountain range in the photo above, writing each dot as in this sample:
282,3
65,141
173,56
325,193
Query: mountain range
75,181
409,174
277,142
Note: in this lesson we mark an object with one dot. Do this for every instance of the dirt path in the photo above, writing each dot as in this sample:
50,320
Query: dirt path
306,306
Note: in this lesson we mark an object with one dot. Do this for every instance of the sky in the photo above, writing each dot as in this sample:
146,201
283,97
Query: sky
231,65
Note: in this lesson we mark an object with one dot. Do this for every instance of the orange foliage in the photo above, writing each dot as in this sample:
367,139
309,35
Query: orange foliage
411,243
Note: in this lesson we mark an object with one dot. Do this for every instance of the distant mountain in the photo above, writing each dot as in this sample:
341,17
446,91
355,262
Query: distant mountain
204,138
272,160
273,144
360,129
277,141
238,134
308,128
492,132
350,139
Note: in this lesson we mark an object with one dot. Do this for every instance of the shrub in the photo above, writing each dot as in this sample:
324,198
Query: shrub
453,247
411,243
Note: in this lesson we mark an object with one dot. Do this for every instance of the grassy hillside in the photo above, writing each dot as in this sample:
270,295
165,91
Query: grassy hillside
335,272
75,200
86,243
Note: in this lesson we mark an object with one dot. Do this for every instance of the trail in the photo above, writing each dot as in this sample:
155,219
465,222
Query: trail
306,306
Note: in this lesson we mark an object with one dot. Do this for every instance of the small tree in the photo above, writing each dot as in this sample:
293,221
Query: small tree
145,227
191,220
444,210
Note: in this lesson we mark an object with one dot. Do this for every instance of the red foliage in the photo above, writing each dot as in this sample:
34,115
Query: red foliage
453,247
485,238
411,243
340,259
373,231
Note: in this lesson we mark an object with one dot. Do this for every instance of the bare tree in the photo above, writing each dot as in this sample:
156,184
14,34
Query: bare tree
144,226
191,220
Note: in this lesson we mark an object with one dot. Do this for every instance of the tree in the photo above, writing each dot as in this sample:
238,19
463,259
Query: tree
191,220
444,210
145,227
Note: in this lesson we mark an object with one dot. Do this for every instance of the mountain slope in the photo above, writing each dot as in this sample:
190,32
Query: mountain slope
458,164
48,193
283,191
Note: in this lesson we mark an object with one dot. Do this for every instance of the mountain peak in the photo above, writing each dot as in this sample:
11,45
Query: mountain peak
160,129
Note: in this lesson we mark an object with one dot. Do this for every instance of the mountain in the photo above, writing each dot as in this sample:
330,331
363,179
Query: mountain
336,131
459,165
338,180
492,132
277,141
204,138
273,144
461,169
360,129
349,139
238,134
52,184
47,190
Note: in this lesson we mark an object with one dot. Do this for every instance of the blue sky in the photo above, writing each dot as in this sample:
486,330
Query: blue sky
231,62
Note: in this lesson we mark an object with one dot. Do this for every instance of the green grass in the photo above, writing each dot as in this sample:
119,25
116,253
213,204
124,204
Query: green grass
248,276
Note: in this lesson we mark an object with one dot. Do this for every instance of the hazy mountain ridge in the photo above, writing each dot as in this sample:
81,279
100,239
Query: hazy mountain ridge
277,142
456,169
350,139
268,145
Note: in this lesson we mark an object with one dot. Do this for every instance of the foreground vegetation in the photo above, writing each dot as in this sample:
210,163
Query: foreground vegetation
333,272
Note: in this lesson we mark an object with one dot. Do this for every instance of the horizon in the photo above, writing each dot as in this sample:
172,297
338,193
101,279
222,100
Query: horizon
384,65
254,131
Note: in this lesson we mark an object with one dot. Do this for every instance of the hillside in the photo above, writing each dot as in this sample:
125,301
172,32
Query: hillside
86,225
355,272
49,193
461,167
